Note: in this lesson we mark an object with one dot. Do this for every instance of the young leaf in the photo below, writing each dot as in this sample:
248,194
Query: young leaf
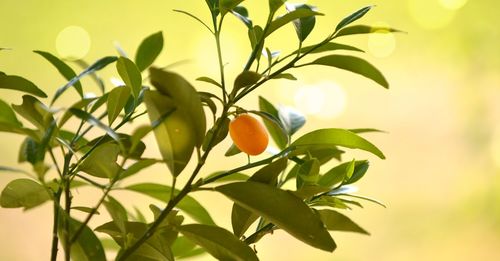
355,65
18,83
209,80
242,13
353,17
227,5
276,205
242,218
219,242
130,75
337,137
24,193
277,134
117,99
63,69
336,221
149,50
289,17
98,65
338,174
303,26
365,29
188,204
330,46
245,79
101,162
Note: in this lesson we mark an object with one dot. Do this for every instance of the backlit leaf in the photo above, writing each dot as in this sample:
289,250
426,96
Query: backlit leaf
18,83
353,17
130,75
336,221
63,69
117,99
149,50
24,193
289,17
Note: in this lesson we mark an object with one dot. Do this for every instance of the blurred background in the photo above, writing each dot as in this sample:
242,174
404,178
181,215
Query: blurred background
442,114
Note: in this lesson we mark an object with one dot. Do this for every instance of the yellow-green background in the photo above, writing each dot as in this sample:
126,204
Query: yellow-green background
442,114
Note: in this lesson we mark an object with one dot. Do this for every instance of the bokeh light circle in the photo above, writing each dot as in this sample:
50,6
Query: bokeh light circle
73,43
430,14
326,100
452,4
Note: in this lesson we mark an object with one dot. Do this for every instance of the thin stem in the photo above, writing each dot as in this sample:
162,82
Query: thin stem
55,162
67,200
259,44
55,226
217,30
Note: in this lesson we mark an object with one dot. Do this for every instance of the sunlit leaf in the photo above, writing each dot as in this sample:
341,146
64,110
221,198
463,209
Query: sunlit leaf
77,105
209,80
117,99
130,75
289,17
303,26
330,46
355,65
117,213
353,17
276,205
278,135
18,83
336,221
227,5
8,116
219,242
365,29
308,173
96,122
63,69
274,5
149,50
338,174
188,204
24,193
35,112
101,162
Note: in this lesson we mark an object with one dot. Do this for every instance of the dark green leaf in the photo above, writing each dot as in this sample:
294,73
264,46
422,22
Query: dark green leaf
117,99
130,75
233,177
242,218
206,99
98,65
18,83
276,205
289,17
275,124
330,46
219,242
63,69
102,161
242,13
8,116
365,29
336,221
274,5
14,170
305,25
287,76
86,210
213,5
209,80
355,65
87,247
183,248
245,79
188,204
338,174
24,193
278,135
353,17
221,134
227,5
364,130
149,50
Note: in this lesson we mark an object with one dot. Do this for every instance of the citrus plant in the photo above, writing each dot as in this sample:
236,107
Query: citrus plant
187,124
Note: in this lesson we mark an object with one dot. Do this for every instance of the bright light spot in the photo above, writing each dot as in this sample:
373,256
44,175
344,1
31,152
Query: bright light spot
73,43
325,100
495,146
453,4
116,82
430,14
382,43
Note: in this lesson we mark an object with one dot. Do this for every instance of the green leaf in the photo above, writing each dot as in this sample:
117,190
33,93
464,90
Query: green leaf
274,5
340,193
35,112
291,119
209,80
183,248
338,174
195,18
95,122
308,173
233,150
83,103
188,204
245,79
221,134
14,170
117,213
206,99
353,17
353,64
213,5
117,99
276,205
130,75
303,26
18,83
274,124
101,162
364,130
185,96
233,177
87,247
8,116
365,29
24,193
227,5
98,65
149,50
289,17
137,167
242,13
336,221
157,247
287,76
219,242
279,137
63,69
350,170
330,46
86,210
242,218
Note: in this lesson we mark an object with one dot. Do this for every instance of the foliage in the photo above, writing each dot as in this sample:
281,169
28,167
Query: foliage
180,126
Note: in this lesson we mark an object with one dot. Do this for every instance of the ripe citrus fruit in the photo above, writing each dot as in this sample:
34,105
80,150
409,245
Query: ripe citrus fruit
248,134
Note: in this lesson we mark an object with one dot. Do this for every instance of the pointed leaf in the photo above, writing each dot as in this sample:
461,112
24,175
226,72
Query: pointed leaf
24,193
8,116
35,112
274,5
137,167
292,119
87,247
130,75
209,80
227,5
338,173
219,242
233,150
336,221
289,17
117,213
63,69
355,65
149,50
94,121
365,29
18,83
330,46
245,79
277,134
117,99
276,205
353,17
303,26
242,13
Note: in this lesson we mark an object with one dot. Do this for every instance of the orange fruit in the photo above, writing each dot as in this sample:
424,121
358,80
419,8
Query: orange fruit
248,134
